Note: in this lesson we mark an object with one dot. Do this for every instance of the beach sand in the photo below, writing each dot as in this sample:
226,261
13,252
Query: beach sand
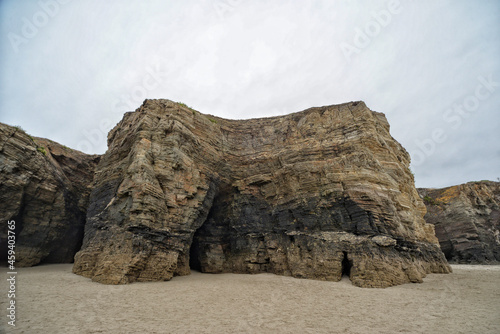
50,299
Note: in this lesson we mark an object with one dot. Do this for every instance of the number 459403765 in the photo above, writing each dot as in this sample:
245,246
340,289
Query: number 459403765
11,244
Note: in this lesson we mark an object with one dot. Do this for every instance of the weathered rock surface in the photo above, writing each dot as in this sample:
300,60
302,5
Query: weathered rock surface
313,194
45,188
467,220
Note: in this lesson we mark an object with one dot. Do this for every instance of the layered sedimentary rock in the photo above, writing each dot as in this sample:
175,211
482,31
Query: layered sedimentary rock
44,188
467,220
313,194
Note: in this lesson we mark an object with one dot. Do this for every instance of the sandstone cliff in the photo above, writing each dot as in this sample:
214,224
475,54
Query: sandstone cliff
44,187
467,220
313,194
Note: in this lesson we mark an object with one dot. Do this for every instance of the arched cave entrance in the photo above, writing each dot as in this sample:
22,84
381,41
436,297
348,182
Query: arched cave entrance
202,238
346,266
213,234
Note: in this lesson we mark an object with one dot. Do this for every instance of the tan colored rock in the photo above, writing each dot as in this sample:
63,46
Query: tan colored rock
313,194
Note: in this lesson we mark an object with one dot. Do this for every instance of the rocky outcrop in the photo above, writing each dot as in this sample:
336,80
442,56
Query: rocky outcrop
314,194
467,220
44,188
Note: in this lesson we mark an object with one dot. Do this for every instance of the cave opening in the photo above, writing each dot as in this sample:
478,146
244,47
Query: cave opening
194,252
201,234
346,266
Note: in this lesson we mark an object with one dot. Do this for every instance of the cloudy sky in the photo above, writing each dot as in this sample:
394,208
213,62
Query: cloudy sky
70,69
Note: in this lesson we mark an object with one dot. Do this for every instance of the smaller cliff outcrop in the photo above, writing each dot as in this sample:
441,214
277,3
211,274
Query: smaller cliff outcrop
44,187
467,220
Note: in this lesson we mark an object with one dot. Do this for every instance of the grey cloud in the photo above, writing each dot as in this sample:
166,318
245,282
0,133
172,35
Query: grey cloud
93,61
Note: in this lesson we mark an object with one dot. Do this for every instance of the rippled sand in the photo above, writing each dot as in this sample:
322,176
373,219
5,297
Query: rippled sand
50,299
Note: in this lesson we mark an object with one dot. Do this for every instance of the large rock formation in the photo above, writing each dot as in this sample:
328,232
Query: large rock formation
313,194
467,220
44,188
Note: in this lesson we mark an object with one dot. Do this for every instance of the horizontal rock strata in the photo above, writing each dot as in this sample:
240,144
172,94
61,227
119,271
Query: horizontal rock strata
44,188
467,220
314,194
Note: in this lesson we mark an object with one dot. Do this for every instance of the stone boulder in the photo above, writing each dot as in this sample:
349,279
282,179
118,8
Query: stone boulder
314,194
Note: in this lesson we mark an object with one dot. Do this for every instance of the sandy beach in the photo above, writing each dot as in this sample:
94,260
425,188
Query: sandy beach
50,299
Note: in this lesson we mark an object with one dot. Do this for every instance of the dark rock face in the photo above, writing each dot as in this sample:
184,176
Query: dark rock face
312,194
467,220
44,187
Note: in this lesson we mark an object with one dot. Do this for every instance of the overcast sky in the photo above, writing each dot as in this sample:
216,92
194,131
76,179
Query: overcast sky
70,69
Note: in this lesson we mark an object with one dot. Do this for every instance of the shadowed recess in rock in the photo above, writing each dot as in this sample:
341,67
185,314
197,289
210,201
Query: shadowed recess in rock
346,265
